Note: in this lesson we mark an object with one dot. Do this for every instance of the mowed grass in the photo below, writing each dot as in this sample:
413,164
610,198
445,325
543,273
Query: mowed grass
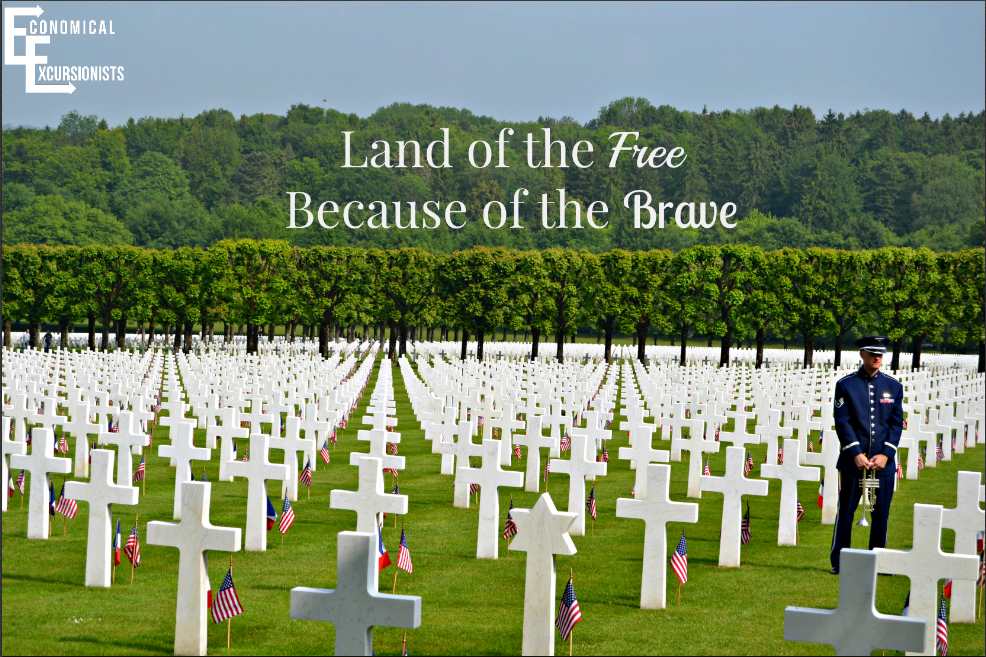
469,606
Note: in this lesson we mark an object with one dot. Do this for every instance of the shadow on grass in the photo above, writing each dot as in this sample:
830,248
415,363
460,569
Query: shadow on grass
129,647
40,580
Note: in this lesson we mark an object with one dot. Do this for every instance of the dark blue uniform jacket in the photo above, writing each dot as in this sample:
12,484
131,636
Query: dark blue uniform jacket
869,416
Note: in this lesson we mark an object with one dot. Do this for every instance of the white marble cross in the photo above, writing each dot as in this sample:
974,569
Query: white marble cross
39,463
656,510
257,471
10,447
542,532
966,519
771,432
378,439
640,453
464,448
925,564
595,430
369,499
534,440
182,451
128,440
80,427
790,473
580,465
50,417
20,414
827,458
355,606
490,477
855,627
739,436
226,432
315,430
733,485
696,445
507,423
291,444
193,536
100,492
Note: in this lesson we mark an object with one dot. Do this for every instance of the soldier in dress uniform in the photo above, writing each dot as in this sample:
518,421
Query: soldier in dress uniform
869,418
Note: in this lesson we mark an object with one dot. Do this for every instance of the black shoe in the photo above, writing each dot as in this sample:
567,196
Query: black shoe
834,571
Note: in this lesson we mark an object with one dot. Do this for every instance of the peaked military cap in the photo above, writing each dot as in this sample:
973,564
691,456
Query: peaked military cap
875,344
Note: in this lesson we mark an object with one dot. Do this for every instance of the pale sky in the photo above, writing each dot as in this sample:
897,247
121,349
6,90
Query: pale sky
512,61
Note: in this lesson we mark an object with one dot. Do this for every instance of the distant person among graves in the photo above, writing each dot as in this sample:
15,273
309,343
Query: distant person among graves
869,418
47,340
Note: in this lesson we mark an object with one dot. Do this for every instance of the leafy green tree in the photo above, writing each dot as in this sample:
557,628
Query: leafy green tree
690,294
406,282
254,279
805,304
57,220
531,300
564,271
644,295
475,283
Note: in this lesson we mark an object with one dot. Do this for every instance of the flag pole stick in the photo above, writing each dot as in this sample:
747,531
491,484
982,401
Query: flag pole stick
396,571
677,596
229,621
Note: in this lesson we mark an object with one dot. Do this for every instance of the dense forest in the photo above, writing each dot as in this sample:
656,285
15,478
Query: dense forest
867,180
734,293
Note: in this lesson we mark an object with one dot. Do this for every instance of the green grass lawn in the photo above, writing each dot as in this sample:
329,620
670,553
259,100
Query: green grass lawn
468,606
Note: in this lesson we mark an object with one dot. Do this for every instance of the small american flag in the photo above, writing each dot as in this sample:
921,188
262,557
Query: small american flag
392,448
706,470
404,555
900,472
941,634
306,474
509,527
516,451
132,548
920,462
604,457
566,443
332,437
717,434
679,560
745,527
801,511
66,506
748,465
20,482
981,582
570,613
324,452
393,472
287,517
780,456
547,471
590,503
246,455
473,489
811,444
226,603
939,452
62,445
980,539
139,473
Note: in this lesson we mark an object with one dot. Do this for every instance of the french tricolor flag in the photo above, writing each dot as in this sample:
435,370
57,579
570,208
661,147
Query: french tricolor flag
383,557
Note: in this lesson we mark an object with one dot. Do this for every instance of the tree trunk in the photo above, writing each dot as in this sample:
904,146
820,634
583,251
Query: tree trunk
323,334
916,343
465,345
6,334
33,331
608,344
982,356
188,337
809,357
761,336
642,328
560,346
724,347
535,341
392,340
104,338
121,332
403,337
63,330
839,340
684,345
92,331
895,363
480,336
176,345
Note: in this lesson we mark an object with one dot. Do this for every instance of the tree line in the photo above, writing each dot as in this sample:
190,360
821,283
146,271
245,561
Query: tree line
732,293
866,180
